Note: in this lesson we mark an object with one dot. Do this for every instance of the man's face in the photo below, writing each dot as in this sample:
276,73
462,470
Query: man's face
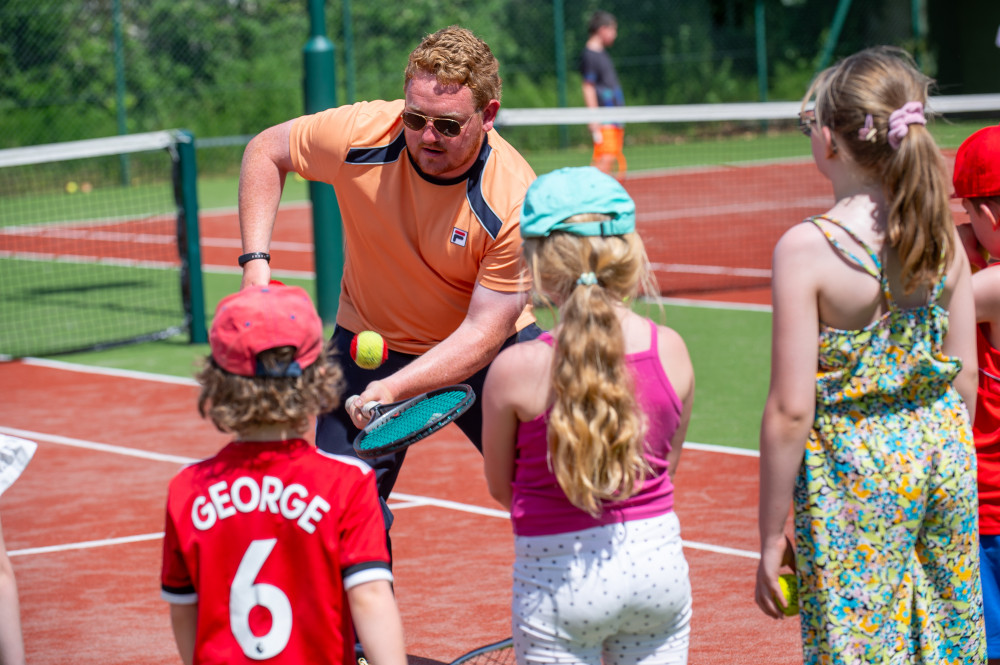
608,33
436,154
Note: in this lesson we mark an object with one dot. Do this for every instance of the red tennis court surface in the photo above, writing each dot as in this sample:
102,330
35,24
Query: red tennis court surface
84,523
709,231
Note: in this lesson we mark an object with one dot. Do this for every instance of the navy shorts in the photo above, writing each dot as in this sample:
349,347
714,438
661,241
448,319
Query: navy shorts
989,571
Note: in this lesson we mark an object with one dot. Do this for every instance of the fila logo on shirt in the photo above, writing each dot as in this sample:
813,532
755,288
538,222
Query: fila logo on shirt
458,236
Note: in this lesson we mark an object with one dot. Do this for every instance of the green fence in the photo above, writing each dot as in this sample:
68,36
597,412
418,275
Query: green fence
76,69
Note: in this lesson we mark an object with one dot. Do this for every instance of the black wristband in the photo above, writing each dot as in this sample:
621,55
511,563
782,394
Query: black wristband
244,258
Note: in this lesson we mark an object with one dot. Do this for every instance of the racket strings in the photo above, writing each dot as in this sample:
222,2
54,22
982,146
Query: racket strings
399,425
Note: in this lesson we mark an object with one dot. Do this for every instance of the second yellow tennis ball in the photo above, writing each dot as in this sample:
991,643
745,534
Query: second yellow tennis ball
790,591
368,349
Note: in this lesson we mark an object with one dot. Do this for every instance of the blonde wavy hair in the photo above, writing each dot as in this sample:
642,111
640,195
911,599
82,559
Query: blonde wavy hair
240,404
456,56
914,178
596,430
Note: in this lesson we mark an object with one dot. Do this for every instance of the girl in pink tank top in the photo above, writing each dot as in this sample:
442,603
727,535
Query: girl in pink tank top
582,431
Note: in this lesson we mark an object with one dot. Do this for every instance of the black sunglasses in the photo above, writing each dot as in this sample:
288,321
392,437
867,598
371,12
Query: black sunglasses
447,127
806,121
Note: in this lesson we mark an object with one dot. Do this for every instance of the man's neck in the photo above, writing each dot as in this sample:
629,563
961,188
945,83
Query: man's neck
595,43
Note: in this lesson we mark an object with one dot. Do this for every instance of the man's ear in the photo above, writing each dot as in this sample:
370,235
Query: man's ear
490,114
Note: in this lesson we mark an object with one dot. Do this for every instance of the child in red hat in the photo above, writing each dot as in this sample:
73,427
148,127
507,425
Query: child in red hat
272,547
977,183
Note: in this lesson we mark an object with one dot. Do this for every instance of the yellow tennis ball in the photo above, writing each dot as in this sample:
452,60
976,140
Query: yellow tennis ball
790,592
368,349
71,187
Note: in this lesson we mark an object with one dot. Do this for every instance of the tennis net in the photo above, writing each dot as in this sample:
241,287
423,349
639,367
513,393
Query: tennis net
715,185
99,244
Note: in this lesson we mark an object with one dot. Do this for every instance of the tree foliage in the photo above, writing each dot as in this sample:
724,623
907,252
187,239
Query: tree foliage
234,67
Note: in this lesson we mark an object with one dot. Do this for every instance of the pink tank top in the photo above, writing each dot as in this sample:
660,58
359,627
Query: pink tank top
538,505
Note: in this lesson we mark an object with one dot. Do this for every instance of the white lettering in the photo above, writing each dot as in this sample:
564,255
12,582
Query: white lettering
313,513
292,504
270,492
206,522
219,496
245,495
237,494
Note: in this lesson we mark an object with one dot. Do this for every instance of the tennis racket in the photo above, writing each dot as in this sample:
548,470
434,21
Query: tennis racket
498,653
394,426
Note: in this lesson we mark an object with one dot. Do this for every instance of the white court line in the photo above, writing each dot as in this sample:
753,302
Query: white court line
402,500
86,545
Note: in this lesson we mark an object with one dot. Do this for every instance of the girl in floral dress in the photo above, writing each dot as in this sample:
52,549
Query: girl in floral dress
866,429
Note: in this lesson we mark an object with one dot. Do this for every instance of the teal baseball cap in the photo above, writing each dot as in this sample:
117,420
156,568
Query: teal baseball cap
558,195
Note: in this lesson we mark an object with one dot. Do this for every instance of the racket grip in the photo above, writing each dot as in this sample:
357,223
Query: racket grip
370,408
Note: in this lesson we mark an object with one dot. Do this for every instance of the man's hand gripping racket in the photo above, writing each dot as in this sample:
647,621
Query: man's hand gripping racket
395,426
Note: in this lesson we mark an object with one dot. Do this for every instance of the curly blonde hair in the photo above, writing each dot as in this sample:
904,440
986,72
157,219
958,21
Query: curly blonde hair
875,82
596,429
454,55
241,404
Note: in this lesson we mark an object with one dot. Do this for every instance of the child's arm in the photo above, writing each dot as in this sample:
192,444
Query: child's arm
960,341
501,389
184,619
376,619
11,641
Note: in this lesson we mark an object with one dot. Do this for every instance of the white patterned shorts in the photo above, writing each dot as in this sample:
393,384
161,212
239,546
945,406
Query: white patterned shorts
617,594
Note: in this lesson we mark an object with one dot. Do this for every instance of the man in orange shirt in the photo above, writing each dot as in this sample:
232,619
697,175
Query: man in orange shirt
430,197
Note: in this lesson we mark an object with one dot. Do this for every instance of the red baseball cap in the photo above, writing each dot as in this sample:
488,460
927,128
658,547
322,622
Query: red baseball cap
977,172
259,318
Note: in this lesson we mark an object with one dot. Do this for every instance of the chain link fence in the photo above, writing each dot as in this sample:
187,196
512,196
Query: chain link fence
76,69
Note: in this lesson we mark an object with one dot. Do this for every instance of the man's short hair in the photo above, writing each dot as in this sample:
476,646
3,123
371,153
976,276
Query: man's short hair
456,56
599,19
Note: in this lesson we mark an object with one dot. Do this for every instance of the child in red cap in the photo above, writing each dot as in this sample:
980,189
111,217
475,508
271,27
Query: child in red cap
977,183
272,546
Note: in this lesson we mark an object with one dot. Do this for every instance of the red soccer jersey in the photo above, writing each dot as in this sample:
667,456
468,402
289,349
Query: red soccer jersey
266,537
986,430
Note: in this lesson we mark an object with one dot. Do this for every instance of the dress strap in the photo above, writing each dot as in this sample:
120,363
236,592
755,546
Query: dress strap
875,271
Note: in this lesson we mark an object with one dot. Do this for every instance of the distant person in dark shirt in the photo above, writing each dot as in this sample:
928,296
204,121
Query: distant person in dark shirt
601,88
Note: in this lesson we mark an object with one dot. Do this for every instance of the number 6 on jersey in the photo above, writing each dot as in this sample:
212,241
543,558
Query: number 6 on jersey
244,595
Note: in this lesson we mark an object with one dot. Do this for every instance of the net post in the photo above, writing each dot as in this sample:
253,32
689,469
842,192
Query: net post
321,94
192,285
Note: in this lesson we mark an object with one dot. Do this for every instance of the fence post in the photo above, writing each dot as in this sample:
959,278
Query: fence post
559,28
186,185
321,93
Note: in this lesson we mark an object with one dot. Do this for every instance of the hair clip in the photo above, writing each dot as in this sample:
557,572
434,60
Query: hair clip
868,132
587,278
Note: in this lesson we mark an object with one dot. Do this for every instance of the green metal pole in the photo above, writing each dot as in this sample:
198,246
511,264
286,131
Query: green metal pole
321,93
918,32
191,277
831,41
349,67
559,26
761,50
116,13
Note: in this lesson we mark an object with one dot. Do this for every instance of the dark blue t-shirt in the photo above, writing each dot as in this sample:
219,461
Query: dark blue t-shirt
598,70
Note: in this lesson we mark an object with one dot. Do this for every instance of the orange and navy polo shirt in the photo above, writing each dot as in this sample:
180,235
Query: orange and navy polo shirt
415,247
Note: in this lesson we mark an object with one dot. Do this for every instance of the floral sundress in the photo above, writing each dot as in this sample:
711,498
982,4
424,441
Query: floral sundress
886,531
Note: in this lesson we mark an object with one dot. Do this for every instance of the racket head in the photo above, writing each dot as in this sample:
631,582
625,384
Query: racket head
396,426
498,653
